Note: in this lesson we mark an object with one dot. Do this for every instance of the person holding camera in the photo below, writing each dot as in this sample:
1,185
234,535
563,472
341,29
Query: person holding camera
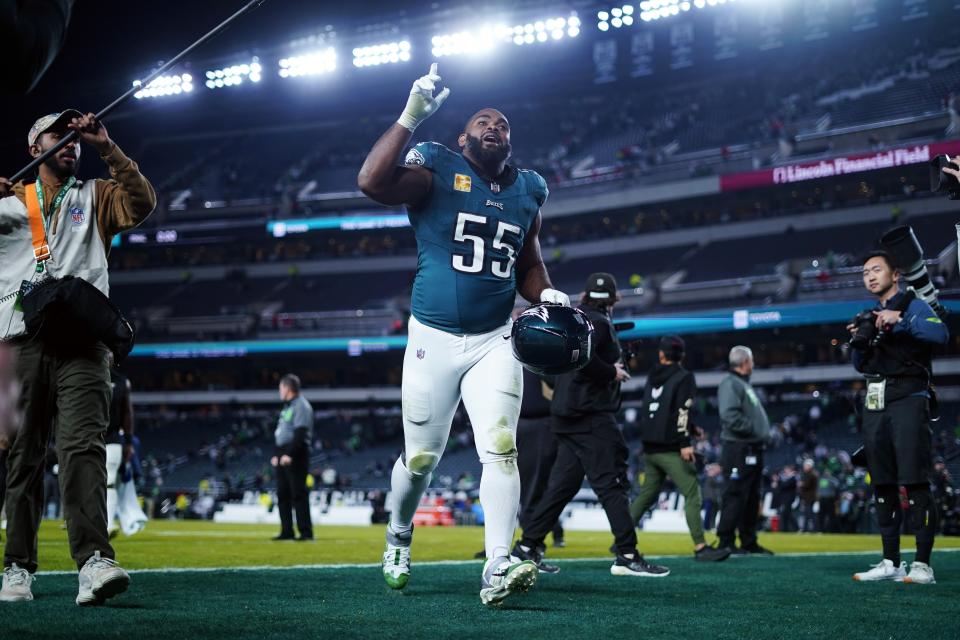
893,348
584,407
57,229
744,429
668,438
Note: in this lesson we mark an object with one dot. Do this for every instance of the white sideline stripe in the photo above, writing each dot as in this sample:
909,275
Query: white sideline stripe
452,563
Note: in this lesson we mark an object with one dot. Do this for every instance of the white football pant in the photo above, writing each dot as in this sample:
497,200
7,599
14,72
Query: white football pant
114,459
438,369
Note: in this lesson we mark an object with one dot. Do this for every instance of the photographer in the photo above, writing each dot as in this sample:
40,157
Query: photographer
894,354
584,409
53,228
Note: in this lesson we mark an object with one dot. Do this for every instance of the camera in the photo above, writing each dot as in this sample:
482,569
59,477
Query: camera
865,332
944,182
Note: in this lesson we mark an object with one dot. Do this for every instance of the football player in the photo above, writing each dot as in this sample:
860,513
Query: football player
476,220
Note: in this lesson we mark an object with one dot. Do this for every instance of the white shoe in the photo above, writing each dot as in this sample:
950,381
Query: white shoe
100,580
505,576
396,559
920,573
883,570
16,585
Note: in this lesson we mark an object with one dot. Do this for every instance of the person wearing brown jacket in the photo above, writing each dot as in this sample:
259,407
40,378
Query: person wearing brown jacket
53,227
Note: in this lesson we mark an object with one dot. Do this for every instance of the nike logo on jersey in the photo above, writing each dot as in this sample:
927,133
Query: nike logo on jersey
498,205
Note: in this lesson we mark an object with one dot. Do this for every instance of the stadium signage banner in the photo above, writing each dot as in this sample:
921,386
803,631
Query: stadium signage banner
838,166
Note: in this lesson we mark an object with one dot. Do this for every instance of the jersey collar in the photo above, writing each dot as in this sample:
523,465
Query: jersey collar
501,182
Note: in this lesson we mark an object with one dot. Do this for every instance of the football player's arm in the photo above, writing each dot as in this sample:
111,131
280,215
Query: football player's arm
532,278
382,180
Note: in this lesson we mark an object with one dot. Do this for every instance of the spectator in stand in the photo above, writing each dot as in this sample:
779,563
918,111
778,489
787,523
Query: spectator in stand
809,485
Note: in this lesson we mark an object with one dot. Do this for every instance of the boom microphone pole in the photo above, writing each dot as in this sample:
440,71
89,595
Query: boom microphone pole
72,135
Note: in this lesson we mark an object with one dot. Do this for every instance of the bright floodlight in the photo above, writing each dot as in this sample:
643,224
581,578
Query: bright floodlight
165,86
385,53
621,16
487,38
309,64
234,75
656,9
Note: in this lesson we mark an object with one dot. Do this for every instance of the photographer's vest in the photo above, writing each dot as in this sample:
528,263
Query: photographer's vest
75,249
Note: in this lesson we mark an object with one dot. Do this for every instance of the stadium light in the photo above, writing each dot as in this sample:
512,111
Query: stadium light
309,64
165,86
234,75
621,16
473,42
469,42
386,53
656,9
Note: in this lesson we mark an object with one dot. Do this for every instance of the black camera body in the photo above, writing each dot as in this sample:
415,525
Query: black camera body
941,182
866,334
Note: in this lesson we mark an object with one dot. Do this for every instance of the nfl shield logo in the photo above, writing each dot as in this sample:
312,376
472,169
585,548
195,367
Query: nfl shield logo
421,354
77,215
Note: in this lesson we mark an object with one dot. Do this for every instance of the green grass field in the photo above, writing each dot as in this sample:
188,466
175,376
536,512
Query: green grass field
203,580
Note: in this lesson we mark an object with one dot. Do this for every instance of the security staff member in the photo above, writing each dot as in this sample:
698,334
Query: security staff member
63,386
292,459
896,416
668,438
584,409
744,429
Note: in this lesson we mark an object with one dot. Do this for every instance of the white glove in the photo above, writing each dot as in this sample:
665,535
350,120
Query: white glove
422,104
554,296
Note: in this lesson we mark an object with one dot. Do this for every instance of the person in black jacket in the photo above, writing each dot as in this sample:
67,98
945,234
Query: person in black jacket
292,458
584,409
668,436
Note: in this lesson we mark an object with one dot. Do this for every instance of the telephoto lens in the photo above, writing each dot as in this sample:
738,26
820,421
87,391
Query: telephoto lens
902,245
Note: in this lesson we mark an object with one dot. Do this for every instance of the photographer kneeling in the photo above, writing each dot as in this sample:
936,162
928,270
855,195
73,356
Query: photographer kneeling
892,347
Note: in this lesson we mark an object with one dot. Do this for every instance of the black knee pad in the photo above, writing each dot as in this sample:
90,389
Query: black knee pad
923,512
888,505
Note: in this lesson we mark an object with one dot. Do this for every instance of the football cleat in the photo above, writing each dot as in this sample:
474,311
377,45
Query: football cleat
396,559
503,577
920,573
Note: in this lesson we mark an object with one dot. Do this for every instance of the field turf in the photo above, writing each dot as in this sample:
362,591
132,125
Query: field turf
203,580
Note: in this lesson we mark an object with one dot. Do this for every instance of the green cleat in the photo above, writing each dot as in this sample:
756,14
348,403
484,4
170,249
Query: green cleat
396,560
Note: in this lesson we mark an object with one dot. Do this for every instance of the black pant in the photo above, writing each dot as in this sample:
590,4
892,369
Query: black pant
292,494
600,453
536,454
742,463
898,442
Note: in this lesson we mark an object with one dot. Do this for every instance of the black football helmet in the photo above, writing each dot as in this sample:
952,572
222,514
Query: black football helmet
551,339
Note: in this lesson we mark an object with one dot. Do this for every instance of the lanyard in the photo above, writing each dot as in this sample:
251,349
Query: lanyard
41,247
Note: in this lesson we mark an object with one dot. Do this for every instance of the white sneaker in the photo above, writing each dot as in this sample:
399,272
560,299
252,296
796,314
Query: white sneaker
920,573
16,585
505,576
396,559
883,570
100,580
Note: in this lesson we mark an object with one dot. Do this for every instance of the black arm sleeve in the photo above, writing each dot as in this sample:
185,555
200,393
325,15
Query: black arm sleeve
605,353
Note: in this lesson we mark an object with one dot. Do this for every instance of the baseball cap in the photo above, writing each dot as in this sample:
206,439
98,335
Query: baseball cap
49,121
601,286
673,347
